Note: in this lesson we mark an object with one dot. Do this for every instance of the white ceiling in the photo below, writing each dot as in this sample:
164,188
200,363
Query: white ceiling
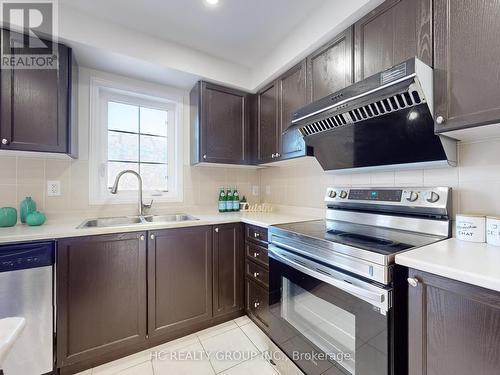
239,31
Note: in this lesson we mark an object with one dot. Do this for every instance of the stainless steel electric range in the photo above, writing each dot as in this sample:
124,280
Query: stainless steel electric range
337,302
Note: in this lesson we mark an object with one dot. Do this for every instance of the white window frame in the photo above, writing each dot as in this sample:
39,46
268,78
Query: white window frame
101,91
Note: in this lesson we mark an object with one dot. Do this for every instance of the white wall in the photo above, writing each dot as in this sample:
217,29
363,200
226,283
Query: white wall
138,50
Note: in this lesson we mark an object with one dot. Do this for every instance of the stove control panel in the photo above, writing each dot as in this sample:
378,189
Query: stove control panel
404,197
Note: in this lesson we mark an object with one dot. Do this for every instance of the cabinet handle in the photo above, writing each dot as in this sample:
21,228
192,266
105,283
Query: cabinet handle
273,156
216,230
413,282
5,141
152,236
141,237
278,155
256,235
256,275
205,157
255,255
440,120
256,304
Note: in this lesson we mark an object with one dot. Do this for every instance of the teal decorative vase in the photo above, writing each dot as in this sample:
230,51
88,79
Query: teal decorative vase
8,217
35,219
28,206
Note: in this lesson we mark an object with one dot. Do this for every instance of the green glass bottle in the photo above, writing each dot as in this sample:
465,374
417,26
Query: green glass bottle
236,200
222,200
229,200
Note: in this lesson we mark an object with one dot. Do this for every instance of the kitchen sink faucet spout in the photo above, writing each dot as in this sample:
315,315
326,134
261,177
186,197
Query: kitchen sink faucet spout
141,206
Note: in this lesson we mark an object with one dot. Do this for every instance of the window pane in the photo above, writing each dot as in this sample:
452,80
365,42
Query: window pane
154,176
154,121
123,117
128,181
123,146
153,149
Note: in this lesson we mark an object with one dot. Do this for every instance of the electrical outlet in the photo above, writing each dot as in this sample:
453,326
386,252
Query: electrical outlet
53,188
255,190
268,189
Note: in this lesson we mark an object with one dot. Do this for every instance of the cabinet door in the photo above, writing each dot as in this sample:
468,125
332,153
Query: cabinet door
101,296
257,303
34,107
292,95
454,328
331,67
467,69
228,272
224,133
395,31
179,278
267,123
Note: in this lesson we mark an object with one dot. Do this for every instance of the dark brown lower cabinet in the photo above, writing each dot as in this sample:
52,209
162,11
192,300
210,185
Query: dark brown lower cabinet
257,303
179,278
101,296
257,276
454,328
228,259
122,293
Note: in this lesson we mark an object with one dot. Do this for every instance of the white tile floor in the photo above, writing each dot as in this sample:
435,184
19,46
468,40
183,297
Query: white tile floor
236,347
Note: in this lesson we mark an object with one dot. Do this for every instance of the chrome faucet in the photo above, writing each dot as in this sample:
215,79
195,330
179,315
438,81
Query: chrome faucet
141,206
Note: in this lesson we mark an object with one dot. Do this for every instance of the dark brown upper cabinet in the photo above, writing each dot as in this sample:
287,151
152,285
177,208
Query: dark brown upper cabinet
37,107
292,95
101,296
179,279
219,125
395,31
331,67
228,269
454,328
267,124
467,63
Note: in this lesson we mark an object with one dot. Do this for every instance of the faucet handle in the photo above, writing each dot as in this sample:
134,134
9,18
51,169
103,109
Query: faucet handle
148,206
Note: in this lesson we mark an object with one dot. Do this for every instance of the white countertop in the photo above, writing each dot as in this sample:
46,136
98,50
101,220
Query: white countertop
473,263
66,226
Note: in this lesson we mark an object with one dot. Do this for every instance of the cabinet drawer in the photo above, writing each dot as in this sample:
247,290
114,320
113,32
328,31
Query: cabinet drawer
257,253
257,273
257,303
256,234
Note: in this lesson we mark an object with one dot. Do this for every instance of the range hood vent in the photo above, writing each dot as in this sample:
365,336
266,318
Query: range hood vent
383,121
409,98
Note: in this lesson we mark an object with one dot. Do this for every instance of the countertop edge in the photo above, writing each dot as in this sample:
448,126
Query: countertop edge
55,231
450,259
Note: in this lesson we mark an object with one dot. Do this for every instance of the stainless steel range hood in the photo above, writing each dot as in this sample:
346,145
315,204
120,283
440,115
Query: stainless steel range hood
385,121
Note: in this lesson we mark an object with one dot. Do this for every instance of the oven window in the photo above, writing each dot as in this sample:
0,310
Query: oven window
330,328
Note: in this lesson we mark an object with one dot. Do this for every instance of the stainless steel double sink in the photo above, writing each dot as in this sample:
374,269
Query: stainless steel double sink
109,222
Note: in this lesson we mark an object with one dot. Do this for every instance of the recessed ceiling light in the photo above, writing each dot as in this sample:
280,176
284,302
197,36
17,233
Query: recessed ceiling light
212,2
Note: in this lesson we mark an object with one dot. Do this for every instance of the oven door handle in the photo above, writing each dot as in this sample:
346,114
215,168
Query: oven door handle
378,299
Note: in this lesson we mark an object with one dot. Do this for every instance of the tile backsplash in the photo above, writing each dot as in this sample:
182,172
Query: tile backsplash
300,182
25,176
476,180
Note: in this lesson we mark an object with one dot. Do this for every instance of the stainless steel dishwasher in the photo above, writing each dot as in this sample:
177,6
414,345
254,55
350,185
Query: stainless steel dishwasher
26,290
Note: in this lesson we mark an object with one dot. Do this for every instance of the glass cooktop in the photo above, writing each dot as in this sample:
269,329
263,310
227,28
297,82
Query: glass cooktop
380,240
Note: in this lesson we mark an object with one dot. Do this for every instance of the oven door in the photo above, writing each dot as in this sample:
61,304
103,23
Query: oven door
327,321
